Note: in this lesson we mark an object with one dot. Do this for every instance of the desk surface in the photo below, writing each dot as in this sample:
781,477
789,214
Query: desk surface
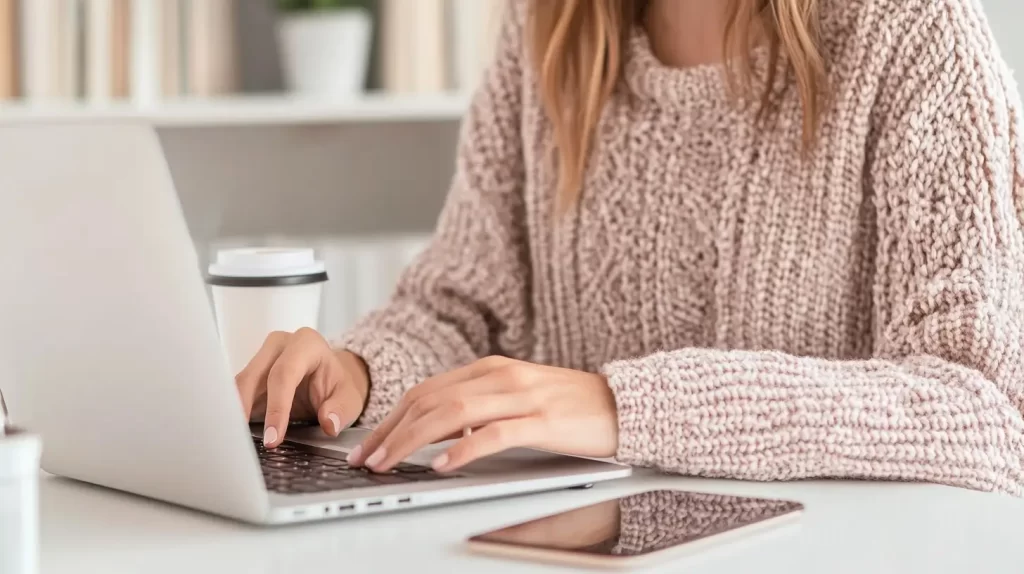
848,527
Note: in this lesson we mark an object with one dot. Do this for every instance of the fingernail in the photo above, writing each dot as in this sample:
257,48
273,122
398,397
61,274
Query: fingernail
440,462
336,421
377,457
354,455
269,436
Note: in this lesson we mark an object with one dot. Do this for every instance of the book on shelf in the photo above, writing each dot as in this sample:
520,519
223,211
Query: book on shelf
212,58
145,63
104,50
430,72
120,49
8,50
395,46
70,38
475,25
413,46
40,49
172,48
148,50
437,45
99,50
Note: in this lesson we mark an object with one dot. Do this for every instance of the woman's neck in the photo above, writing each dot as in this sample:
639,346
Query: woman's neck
687,33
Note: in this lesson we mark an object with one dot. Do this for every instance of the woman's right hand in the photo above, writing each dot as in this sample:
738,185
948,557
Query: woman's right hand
298,376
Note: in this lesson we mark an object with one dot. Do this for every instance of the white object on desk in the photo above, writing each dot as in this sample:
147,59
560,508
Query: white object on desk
19,502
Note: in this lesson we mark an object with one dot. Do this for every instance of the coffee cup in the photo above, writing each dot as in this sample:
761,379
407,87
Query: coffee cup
257,291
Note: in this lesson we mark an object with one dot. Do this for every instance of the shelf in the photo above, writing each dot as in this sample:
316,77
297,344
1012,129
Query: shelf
251,111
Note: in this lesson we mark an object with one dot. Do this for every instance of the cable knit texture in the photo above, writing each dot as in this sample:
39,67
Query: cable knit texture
759,314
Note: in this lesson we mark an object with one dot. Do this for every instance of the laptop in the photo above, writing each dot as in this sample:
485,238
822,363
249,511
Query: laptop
109,350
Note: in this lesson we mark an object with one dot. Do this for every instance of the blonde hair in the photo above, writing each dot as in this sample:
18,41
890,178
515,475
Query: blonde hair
579,48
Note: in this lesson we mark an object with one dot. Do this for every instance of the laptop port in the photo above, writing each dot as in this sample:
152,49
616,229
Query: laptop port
405,500
376,503
346,507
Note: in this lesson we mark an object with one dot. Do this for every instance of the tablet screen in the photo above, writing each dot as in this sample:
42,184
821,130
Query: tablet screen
641,523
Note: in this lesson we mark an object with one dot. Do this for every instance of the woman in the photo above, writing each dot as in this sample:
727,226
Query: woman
756,239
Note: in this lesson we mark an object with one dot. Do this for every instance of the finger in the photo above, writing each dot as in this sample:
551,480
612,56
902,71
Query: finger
340,409
301,358
454,435
455,413
471,371
426,400
491,439
252,379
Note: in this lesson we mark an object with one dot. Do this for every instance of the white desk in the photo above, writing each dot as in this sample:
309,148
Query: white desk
848,527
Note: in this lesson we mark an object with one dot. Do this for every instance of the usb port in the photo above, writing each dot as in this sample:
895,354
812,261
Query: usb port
346,507
405,500
376,503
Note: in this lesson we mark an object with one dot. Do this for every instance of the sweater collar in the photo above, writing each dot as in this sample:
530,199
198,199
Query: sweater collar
648,78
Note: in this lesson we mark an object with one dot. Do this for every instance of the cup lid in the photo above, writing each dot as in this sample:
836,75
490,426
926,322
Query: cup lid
266,267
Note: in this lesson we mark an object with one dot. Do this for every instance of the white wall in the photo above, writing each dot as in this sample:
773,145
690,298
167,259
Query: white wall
1007,20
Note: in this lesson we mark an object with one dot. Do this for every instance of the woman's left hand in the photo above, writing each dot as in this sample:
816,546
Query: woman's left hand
508,403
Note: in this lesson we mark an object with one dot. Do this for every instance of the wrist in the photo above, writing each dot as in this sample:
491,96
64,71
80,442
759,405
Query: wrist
355,367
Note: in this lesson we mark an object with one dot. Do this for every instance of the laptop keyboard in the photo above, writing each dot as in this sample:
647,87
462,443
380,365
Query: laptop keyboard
292,469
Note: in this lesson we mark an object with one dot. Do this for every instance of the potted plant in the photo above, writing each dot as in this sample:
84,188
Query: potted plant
325,45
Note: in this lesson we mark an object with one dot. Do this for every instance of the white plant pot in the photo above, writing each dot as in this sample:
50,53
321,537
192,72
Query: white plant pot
326,52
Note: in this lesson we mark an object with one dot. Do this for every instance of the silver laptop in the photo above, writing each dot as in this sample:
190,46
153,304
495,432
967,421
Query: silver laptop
109,350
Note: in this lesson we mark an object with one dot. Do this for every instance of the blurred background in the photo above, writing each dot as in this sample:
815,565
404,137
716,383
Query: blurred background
329,123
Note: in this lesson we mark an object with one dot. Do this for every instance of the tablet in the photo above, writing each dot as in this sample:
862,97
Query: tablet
638,530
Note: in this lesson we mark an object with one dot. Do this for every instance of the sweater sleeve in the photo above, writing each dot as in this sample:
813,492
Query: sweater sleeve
941,399
466,296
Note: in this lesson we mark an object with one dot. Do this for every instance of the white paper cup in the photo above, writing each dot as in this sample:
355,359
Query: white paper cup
19,502
262,290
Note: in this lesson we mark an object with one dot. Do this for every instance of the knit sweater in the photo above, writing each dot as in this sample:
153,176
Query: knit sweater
759,313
